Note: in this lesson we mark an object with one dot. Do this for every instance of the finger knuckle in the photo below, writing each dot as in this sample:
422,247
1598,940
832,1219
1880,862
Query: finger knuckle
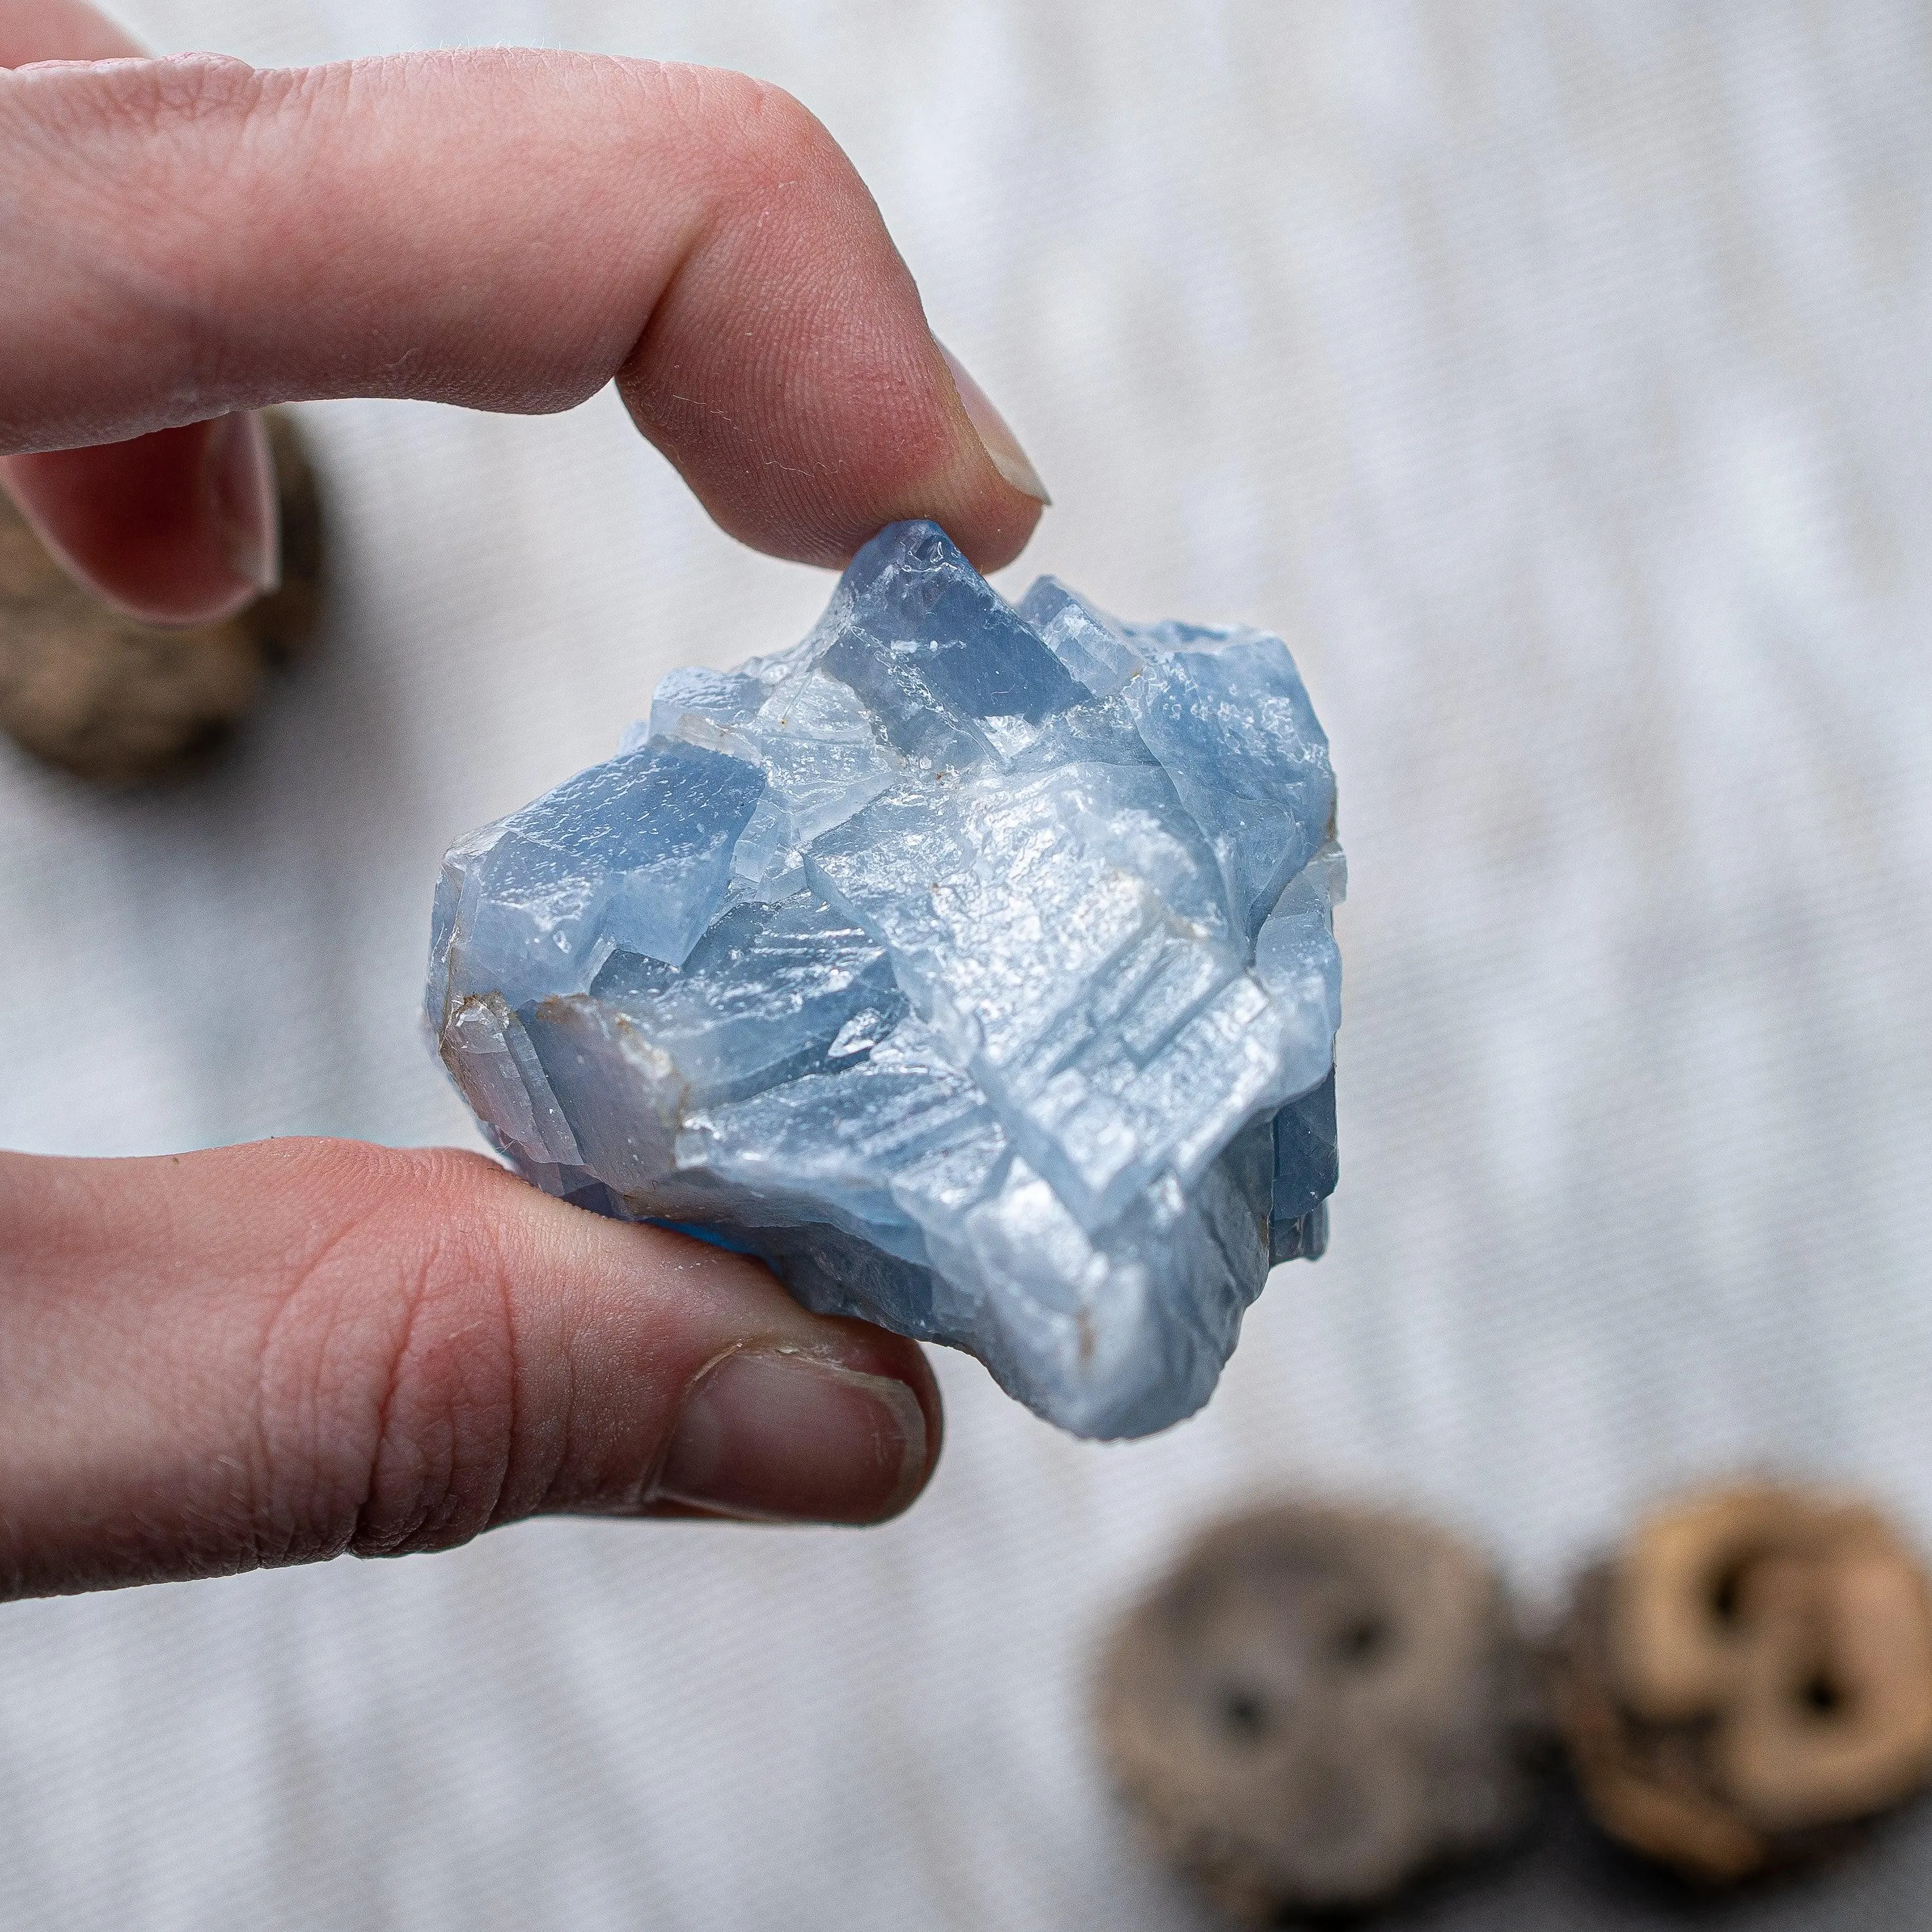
154,98
389,1394
141,151
753,136
779,129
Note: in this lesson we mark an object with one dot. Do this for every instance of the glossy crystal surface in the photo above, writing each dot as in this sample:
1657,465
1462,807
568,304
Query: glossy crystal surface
972,963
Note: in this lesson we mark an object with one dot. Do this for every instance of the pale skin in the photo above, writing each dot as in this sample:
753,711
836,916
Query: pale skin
275,1353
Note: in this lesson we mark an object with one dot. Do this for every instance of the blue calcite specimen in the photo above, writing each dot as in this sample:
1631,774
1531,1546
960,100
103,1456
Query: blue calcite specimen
972,964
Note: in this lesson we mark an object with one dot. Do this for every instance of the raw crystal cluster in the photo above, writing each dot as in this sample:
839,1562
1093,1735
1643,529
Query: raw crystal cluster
973,963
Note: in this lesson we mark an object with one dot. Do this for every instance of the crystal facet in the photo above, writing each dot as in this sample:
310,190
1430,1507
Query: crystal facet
973,963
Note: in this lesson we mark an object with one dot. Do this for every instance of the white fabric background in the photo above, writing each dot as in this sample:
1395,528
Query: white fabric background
1554,377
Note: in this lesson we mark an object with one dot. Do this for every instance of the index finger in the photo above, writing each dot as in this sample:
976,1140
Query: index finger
501,229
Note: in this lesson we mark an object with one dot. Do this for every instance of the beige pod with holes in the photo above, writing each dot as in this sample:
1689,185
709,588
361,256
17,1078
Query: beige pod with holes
1748,1678
1319,1704
109,698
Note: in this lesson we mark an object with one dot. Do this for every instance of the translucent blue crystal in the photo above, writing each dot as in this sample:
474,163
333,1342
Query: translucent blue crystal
974,964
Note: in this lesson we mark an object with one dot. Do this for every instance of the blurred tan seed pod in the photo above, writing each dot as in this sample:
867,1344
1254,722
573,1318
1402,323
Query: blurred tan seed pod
112,699
1318,1706
1748,1678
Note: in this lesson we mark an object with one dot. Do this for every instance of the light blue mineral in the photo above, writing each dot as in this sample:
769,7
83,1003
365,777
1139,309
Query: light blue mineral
974,964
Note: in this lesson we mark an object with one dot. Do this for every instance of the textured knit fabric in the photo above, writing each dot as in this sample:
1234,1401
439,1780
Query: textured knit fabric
1553,373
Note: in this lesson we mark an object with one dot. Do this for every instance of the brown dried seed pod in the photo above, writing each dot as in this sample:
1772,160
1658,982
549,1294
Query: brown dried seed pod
1751,1676
1318,1706
109,698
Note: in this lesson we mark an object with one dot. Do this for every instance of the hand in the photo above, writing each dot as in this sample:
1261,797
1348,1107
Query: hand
273,1354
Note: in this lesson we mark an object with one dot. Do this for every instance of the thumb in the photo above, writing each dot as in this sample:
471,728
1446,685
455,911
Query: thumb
279,1353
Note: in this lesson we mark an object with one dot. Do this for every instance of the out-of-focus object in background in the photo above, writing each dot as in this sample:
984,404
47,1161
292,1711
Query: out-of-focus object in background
1749,1676
1320,1705
110,698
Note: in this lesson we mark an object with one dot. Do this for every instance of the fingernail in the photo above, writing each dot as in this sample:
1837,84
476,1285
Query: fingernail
776,1435
240,476
1002,446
